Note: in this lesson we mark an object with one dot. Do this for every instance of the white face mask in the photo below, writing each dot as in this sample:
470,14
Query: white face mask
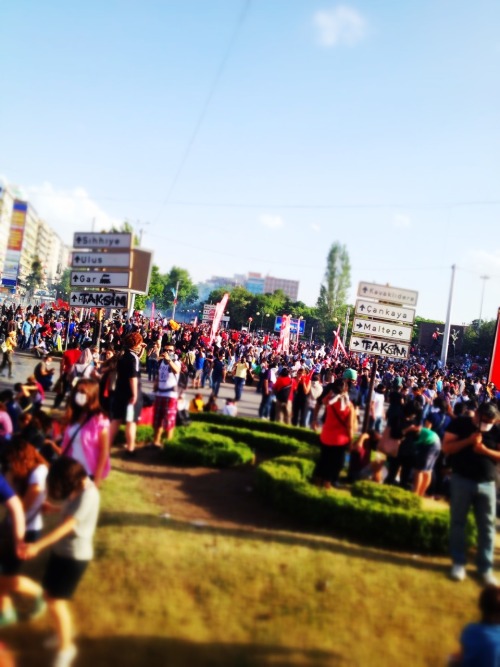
485,427
80,399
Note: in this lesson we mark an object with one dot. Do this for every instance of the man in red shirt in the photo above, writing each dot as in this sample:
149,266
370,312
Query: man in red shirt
68,360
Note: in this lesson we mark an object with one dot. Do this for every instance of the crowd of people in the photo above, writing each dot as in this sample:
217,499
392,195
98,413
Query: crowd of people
428,429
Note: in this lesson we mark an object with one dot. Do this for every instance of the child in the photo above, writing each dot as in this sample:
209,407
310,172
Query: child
481,641
72,547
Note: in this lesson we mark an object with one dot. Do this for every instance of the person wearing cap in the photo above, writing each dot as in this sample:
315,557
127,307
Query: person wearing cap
351,376
165,387
472,447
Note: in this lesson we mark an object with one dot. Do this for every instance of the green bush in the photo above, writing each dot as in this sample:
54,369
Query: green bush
206,449
285,483
387,495
266,444
304,435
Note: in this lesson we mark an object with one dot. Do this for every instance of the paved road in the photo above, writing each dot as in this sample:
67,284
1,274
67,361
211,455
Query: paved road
24,365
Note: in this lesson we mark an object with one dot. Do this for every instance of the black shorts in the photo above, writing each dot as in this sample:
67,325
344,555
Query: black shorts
118,409
62,576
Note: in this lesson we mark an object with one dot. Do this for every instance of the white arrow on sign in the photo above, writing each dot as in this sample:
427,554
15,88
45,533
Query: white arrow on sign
384,312
386,293
391,330
382,348
105,240
100,260
99,279
99,299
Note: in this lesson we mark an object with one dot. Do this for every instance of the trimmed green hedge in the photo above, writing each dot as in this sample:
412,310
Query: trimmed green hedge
387,495
266,444
304,435
285,483
207,450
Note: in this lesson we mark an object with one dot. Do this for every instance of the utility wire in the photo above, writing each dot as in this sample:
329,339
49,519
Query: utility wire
206,105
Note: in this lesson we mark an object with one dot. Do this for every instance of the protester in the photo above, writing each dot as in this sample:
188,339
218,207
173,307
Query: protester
126,404
16,530
27,471
336,435
86,437
480,642
72,547
9,346
166,395
472,446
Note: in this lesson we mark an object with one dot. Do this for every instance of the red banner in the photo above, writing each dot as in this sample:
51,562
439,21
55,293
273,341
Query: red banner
494,374
219,312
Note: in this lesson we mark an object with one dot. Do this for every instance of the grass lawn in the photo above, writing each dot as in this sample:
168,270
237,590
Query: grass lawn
164,593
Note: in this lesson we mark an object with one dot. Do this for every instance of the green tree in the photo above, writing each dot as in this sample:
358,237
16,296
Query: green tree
63,286
35,279
178,281
337,280
479,337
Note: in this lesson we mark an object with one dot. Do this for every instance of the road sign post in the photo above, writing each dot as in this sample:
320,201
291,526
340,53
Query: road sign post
382,326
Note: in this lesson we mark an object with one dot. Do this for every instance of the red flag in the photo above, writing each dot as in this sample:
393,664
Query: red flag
494,372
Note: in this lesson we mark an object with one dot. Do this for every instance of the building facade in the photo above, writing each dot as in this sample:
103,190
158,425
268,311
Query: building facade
24,237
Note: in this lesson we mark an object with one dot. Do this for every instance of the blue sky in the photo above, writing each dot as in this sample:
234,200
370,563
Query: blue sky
250,136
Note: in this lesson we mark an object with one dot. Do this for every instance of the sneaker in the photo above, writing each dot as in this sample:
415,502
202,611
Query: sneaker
65,657
488,578
458,573
39,608
8,617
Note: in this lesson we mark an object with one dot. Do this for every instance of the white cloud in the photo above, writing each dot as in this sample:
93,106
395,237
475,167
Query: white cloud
68,211
315,227
339,26
401,221
271,221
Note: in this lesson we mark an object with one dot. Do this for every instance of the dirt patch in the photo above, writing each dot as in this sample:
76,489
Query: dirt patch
205,496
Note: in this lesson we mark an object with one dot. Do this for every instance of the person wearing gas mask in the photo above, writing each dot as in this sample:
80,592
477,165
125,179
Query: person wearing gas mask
86,438
472,447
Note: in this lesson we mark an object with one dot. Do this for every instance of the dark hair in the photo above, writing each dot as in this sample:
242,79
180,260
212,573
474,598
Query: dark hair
340,386
90,388
489,602
488,411
65,477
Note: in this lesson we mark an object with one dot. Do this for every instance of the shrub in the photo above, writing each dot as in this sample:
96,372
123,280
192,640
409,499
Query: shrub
266,444
304,435
207,450
387,495
284,482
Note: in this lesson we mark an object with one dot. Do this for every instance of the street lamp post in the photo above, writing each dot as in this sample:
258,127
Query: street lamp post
484,279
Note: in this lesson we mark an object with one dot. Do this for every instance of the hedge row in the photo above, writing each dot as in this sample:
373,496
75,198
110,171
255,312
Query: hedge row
206,449
268,445
190,447
393,496
304,435
285,483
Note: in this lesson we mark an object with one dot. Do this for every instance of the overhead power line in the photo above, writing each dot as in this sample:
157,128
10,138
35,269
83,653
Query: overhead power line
211,92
